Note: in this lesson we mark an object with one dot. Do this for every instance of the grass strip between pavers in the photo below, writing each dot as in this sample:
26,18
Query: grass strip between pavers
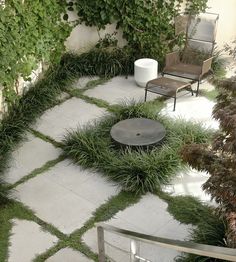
40,97
15,209
38,171
103,213
46,138
93,83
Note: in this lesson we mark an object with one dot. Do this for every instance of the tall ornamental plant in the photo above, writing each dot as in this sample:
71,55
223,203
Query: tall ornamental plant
219,158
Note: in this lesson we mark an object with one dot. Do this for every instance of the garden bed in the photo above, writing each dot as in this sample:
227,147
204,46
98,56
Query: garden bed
135,170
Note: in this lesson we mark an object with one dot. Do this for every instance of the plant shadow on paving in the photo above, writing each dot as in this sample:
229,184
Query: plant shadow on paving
136,170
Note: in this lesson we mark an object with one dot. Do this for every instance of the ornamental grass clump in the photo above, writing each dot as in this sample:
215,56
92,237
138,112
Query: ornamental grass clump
136,170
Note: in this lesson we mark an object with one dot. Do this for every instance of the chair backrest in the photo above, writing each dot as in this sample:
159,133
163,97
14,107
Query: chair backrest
200,31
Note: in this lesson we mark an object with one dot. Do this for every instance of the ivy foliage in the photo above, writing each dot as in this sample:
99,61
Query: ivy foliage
30,31
148,26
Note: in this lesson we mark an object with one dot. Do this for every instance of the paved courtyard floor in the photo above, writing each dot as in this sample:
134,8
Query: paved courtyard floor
66,196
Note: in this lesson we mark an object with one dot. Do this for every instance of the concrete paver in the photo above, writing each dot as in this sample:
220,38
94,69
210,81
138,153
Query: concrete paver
69,115
118,90
149,216
29,155
62,196
191,108
28,240
189,182
68,255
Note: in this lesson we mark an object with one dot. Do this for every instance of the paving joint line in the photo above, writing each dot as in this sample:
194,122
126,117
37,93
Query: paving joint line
46,138
74,240
37,171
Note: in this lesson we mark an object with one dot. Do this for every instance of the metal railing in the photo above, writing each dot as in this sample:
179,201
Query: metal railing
224,253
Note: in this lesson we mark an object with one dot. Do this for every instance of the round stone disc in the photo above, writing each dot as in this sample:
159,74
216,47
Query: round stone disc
138,132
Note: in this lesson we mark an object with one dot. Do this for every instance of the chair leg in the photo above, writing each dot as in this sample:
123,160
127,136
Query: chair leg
174,103
145,98
198,84
191,90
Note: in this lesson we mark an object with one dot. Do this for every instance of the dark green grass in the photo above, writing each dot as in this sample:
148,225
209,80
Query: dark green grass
134,170
102,62
208,228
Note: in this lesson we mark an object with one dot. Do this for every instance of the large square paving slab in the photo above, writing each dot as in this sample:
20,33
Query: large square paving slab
66,195
71,114
28,240
118,90
189,183
68,255
191,108
149,216
30,154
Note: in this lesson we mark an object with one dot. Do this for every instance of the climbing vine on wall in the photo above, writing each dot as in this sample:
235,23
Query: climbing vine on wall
148,25
30,31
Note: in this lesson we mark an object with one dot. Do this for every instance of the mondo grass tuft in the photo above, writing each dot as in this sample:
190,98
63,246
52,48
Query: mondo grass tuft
135,170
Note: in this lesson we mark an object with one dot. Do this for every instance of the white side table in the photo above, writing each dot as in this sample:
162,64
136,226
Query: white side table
145,69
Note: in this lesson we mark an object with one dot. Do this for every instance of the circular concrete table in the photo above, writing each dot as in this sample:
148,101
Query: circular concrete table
145,69
138,132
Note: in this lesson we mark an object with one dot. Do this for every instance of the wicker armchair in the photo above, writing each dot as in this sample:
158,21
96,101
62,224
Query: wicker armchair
196,72
194,62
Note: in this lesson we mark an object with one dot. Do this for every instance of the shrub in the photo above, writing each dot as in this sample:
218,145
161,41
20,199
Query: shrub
219,158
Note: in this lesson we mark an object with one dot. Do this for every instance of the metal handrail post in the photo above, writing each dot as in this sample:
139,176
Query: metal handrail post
101,244
134,250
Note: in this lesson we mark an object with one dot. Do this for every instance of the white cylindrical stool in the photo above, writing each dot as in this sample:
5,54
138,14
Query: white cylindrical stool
145,69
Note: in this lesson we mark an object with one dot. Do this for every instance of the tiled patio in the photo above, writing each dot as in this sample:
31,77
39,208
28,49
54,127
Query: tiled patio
66,195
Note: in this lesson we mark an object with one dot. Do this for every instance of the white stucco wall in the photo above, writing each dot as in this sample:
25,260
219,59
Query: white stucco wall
226,30
83,37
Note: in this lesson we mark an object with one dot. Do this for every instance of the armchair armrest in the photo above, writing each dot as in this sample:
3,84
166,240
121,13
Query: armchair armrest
206,66
172,59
